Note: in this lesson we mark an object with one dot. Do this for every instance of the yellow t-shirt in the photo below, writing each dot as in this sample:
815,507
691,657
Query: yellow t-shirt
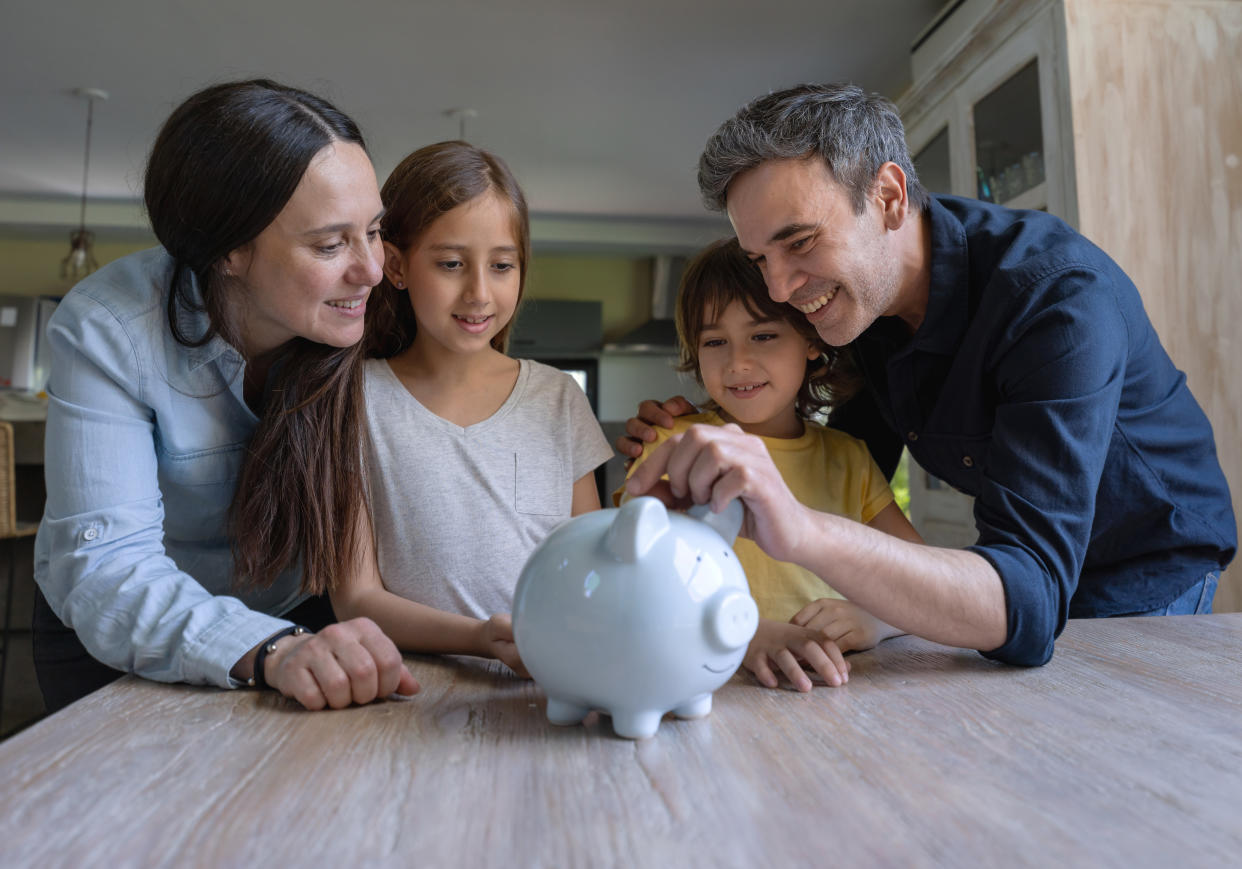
826,470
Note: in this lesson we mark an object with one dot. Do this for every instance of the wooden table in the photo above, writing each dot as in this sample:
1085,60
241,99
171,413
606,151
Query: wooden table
1125,750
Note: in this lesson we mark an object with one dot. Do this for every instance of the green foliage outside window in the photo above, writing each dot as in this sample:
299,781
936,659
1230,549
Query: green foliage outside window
901,483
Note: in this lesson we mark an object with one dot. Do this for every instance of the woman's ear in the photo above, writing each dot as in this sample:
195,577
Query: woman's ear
394,265
235,263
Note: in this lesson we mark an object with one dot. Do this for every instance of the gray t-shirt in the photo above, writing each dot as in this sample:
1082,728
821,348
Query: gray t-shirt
458,510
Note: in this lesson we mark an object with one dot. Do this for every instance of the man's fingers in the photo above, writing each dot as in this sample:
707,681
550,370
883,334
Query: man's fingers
647,474
655,412
678,405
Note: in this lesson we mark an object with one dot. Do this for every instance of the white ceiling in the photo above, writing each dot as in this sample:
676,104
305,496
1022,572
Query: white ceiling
600,108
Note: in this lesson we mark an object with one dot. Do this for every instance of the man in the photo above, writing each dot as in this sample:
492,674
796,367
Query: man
1012,358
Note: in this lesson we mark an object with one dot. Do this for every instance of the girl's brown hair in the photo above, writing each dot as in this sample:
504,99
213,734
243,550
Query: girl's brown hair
719,275
222,167
428,183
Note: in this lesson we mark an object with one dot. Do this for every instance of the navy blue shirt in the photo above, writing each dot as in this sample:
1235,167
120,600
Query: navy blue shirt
1037,384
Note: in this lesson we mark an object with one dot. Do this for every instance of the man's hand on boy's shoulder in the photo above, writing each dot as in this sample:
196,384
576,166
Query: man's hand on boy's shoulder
640,429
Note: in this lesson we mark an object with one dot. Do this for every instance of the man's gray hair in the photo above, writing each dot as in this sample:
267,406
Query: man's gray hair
856,133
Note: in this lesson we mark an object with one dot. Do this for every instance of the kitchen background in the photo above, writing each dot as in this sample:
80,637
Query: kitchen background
1121,116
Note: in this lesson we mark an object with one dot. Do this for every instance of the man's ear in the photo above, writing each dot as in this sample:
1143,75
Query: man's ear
890,195
394,265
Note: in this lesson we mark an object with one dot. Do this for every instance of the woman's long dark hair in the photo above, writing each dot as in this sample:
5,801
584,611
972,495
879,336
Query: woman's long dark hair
223,166
428,183
719,275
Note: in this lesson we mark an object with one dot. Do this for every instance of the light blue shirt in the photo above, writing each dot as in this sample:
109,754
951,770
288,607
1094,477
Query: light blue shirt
145,441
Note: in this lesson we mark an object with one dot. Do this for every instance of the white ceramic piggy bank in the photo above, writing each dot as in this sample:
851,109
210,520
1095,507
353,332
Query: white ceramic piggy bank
637,612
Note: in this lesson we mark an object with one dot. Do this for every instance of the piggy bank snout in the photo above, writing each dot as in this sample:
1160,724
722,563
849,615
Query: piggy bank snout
730,619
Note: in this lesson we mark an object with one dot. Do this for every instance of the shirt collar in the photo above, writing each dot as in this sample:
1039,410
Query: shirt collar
948,296
193,321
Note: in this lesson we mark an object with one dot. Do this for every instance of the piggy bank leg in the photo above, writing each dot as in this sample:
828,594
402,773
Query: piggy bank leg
636,725
696,708
561,712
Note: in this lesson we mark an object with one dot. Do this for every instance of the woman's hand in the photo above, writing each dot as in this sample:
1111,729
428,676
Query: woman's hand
638,429
496,641
847,624
348,662
785,648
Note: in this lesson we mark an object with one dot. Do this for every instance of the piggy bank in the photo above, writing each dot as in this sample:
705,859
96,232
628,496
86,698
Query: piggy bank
635,611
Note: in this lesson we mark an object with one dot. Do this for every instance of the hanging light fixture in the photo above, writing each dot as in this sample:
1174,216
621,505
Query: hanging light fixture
81,259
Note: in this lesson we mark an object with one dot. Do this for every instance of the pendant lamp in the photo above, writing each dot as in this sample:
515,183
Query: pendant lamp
81,259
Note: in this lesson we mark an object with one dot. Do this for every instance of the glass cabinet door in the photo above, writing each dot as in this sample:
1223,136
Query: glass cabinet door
1009,142
933,165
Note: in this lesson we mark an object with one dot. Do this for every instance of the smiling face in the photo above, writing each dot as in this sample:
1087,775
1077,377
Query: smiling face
463,275
836,267
309,272
753,368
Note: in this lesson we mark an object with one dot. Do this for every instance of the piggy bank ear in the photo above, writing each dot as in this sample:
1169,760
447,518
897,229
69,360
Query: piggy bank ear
726,523
638,524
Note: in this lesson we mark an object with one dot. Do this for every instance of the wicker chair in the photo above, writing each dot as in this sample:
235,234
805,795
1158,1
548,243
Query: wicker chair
10,531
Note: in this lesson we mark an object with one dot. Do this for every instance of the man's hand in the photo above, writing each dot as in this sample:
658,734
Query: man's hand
348,662
496,641
848,625
781,647
638,429
715,464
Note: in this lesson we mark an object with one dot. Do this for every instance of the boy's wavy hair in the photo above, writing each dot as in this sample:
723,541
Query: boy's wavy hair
721,274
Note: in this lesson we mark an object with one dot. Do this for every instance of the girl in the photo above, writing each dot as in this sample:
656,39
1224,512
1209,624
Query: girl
766,370
474,457
204,422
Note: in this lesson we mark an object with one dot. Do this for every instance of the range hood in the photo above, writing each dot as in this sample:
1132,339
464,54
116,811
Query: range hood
659,334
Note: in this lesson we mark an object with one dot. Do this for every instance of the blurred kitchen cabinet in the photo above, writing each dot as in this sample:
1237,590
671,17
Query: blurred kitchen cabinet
1121,117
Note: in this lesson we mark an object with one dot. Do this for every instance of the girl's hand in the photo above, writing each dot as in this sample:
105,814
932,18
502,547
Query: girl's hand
847,624
496,641
348,662
790,647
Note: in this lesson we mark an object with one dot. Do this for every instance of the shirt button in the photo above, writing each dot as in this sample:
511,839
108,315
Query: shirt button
968,461
912,436
90,533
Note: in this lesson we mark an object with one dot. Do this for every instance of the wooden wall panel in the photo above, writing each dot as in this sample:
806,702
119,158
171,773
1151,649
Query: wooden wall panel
1156,89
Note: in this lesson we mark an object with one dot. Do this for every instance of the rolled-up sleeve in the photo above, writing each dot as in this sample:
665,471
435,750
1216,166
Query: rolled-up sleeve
1059,382
100,555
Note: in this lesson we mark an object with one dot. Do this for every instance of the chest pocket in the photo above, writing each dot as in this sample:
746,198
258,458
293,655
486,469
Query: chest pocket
959,460
203,467
197,489
543,484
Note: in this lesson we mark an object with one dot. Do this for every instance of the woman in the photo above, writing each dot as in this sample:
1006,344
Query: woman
203,434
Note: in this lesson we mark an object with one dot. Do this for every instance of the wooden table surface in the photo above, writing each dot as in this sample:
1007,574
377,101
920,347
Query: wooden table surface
1125,750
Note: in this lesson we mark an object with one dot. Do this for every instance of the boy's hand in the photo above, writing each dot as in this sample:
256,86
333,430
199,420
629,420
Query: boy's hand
786,648
847,624
496,639
638,429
